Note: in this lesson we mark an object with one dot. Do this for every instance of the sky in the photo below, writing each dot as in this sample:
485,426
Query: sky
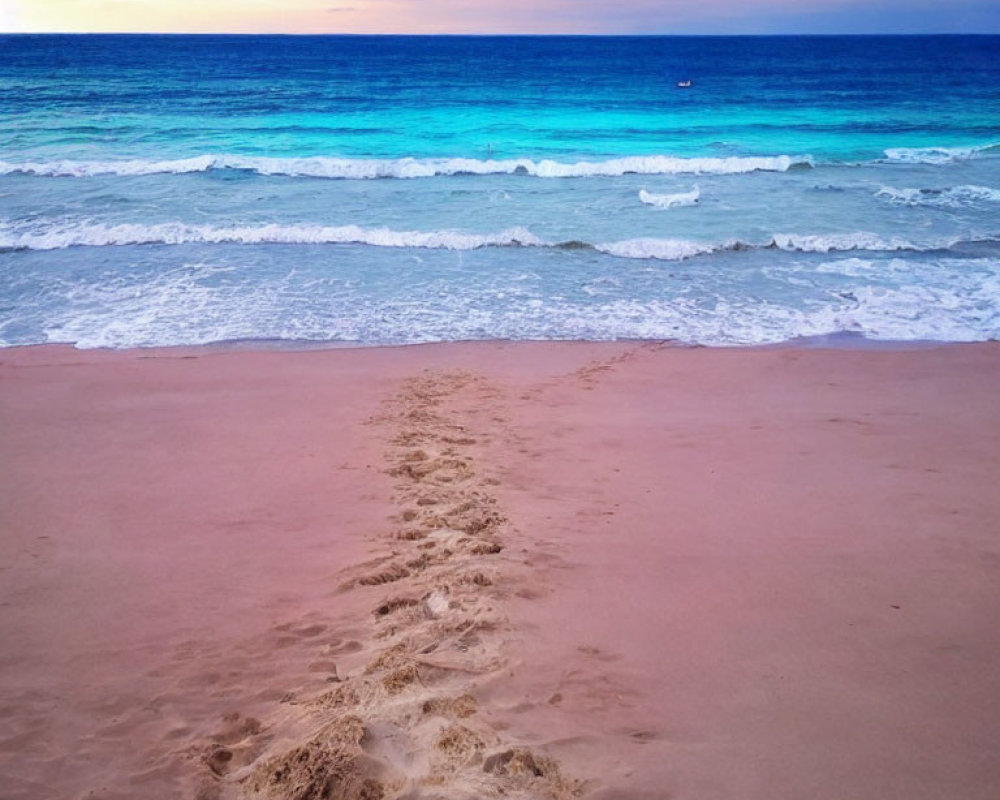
502,16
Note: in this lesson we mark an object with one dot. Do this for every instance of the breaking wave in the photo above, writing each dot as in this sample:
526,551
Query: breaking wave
670,200
361,168
859,240
373,168
954,197
681,249
937,155
85,169
89,234
171,233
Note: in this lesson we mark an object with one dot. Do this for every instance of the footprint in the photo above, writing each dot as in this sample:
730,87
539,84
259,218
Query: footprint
391,574
394,604
400,678
219,760
235,745
332,766
327,667
518,761
462,441
476,579
458,745
338,647
237,728
461,707
486,549
344,696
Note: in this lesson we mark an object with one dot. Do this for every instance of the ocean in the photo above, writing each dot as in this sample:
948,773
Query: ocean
178,190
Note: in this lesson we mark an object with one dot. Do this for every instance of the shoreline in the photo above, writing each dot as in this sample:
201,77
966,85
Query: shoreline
766,572
835,341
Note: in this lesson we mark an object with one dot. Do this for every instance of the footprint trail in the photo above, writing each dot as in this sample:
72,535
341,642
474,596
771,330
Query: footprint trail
406,723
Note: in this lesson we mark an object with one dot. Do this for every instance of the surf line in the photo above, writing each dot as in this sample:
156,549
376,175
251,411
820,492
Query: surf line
409,719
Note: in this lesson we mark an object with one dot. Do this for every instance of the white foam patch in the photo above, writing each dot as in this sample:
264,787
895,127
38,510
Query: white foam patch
957,311
937,155
186,305
660,249
968,310
856,240
56,236
355,168
86,234
892,299
84,169
681,249
670,200
954,197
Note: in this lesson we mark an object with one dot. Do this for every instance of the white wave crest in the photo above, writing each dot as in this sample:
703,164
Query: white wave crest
55,236
858,240
361,168
670,200
681,249
660,249
936,155
954,197
909,197
100,235
665,165
85,169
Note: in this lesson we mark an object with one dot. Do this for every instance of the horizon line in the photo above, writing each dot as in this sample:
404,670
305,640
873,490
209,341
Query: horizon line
498,34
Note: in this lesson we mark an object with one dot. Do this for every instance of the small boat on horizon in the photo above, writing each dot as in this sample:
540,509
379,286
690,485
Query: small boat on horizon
685,84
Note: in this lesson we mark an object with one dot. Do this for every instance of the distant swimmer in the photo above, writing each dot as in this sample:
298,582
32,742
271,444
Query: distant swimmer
685,84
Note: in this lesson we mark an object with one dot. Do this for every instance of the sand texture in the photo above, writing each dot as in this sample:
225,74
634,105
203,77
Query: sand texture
500,570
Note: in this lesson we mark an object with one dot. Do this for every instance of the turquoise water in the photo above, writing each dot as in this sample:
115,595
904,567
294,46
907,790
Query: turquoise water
176,190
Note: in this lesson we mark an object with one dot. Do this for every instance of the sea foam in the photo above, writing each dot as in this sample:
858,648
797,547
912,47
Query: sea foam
403,168
367,169
953,197
948,300
661,249
855,240
670,200
57,236
666,249
937,155
86,169
172,233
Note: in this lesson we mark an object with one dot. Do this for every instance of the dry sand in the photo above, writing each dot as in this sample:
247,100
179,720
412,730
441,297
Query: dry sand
484,570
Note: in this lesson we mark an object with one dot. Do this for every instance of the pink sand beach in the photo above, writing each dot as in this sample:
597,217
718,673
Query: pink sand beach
536,570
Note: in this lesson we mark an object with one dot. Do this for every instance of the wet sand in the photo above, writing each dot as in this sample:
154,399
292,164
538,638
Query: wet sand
551,570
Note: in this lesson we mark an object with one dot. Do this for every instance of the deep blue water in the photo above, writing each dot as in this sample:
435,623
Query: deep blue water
181,189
